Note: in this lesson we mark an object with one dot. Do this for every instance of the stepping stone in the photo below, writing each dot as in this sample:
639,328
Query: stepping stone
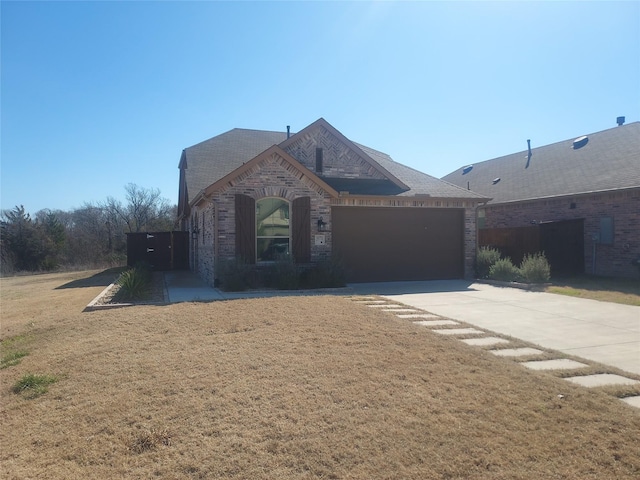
435,323
602,379
365,298
559,364
484,341
516,352
633,401
418,315
394,309
384,305
459,331
370,301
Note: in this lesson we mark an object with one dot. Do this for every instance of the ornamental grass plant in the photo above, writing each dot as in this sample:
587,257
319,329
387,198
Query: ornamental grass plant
535,268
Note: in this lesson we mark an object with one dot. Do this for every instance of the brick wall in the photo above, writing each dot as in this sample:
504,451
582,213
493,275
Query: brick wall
274,177
338,159
623,207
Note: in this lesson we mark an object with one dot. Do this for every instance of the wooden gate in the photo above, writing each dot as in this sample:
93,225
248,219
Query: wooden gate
563,244
161,250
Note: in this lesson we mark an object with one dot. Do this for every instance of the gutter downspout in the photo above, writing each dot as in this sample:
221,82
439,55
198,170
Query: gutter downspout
475,258
216,247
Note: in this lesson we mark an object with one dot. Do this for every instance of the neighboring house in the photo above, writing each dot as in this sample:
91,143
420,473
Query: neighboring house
577,200
314,194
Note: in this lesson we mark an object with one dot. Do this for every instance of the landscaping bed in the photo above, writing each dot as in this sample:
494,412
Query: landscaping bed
111,297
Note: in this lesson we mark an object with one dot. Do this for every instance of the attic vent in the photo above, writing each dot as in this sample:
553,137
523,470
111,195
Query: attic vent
467,169
496,180
580,142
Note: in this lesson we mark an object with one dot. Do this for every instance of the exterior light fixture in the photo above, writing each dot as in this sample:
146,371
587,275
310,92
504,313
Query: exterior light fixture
194,233
321,225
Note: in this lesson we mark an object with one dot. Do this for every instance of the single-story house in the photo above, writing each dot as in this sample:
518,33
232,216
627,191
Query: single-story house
316,194
577,200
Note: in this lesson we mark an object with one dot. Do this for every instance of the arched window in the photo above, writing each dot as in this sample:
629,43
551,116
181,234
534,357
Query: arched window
273,232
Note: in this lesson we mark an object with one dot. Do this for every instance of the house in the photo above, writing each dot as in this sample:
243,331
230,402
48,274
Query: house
316,194
577,200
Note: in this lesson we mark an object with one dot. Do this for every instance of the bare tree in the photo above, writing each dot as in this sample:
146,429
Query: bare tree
92,235
145,208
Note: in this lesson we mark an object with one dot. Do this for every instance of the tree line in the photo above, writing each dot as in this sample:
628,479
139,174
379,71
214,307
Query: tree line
91,236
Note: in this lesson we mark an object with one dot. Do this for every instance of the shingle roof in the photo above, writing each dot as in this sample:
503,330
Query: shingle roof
217,157
610,160
419,183
212,159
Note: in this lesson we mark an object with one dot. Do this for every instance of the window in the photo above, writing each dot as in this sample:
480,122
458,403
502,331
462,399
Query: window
481,218
272,229
606,230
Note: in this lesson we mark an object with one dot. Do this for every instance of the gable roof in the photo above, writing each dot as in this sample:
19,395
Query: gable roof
253,163
610,160
322,123
208,162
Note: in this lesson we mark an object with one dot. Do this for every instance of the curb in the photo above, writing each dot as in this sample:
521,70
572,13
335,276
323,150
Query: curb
534,287
94,305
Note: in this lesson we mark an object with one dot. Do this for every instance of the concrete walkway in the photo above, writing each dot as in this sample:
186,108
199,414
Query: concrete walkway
185,286
604,332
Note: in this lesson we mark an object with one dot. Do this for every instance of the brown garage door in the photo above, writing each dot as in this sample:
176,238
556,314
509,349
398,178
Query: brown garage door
392,244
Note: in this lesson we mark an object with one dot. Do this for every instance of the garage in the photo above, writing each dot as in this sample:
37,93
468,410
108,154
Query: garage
394,244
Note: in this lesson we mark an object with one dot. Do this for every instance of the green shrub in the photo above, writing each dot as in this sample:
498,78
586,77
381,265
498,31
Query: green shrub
325,274
135,284
535,268
233,274
504,270
485,259
32,386
282,274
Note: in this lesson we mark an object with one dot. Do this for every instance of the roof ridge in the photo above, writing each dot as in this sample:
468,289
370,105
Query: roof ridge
255,130
551,144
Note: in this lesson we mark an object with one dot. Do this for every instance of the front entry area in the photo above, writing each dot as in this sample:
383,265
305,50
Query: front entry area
378,244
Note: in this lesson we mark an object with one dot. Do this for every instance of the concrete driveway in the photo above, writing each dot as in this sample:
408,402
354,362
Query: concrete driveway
604,332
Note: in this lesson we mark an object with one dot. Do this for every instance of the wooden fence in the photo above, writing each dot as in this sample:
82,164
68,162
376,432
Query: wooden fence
514,243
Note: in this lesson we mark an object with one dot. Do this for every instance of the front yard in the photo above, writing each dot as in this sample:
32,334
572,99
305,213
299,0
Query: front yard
291,387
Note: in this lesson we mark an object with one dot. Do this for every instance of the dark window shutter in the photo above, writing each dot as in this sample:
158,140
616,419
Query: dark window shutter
301,231
246,228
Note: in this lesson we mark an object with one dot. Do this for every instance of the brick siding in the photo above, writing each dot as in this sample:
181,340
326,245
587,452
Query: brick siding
338,159
622,206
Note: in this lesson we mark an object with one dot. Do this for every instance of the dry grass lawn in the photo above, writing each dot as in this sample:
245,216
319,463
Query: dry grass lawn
606,289
297,387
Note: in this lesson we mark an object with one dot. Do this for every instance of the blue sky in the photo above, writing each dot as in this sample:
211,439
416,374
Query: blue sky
95,95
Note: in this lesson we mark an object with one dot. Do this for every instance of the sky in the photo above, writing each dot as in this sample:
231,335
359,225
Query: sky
96,95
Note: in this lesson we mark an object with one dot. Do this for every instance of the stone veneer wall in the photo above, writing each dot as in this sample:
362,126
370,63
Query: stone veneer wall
623,206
